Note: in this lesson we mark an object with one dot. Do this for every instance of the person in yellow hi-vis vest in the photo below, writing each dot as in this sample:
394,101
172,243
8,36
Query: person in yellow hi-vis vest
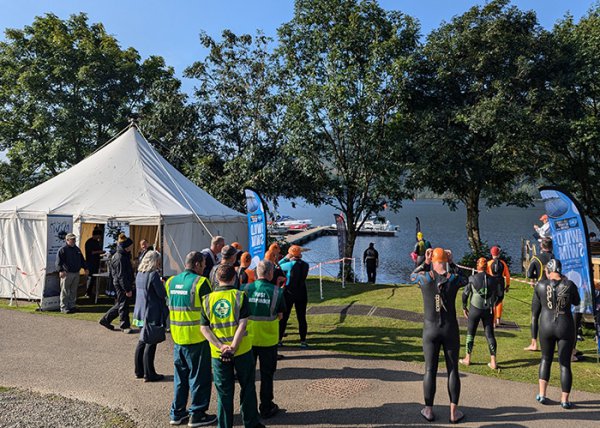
191,353
266,305
224,320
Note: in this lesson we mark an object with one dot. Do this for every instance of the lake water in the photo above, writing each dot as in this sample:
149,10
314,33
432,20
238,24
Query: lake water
503,226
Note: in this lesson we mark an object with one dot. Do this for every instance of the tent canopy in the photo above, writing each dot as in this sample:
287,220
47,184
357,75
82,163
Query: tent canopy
127,180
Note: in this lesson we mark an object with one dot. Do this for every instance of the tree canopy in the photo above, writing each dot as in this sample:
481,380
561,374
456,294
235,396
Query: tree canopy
343,67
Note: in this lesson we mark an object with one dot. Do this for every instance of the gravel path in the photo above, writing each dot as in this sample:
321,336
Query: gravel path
30,409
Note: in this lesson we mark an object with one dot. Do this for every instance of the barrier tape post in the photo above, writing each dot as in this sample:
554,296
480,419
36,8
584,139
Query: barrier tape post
354,269
321,280
343,273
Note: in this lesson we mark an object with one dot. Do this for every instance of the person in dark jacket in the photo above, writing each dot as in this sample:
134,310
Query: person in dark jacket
295,292
121,272
150,308
69,261
212,254
371,261
93,251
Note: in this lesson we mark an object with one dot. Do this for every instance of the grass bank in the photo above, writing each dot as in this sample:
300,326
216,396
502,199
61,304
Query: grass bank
377,337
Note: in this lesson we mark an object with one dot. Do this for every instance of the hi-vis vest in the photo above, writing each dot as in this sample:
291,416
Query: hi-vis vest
185,303
263,324
223,312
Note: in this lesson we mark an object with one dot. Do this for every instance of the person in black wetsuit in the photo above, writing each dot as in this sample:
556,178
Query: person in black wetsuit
371,261
536,272
484,292
440,328
552,300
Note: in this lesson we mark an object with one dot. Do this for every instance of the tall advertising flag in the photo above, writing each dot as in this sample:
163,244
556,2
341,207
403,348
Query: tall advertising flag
341,231
570,244
257,226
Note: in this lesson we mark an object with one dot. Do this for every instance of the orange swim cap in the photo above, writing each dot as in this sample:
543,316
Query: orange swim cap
439,255
236,245
271,256
295,251
544,217
275,248
245,260
481,263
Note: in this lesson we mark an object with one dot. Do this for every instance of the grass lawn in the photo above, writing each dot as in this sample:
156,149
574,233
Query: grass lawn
376,337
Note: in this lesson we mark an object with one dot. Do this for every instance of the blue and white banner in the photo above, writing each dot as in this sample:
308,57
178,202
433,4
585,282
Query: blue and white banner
570,242
257,226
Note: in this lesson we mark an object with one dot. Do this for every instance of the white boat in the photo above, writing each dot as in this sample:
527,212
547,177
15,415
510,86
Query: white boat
378,224
289,223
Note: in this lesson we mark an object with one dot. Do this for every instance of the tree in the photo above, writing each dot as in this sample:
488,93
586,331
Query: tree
471,123
66,87
342,67
567,106
240,118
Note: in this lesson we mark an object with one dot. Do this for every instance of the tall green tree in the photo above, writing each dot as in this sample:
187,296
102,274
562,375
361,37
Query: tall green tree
471,122
240,118
66,87
343,69
567,106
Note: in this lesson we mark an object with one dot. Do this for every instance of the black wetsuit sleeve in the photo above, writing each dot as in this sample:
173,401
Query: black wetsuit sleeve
467,293
575,297
536,305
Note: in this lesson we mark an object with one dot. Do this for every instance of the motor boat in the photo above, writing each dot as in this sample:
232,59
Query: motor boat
287,223
376,223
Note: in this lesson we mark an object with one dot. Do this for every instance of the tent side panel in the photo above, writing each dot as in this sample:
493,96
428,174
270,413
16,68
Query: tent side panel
180,239
23,244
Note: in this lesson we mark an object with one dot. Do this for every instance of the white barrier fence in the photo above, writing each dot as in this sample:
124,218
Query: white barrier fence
322,266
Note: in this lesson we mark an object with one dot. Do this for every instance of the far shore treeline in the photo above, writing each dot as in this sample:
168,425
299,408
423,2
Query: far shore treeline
348,105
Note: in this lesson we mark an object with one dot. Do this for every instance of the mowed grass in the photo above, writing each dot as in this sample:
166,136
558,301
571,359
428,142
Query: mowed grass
378,337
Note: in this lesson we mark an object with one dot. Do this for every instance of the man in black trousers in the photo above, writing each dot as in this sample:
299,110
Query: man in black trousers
121,272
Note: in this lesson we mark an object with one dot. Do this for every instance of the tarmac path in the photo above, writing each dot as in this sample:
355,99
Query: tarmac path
82,360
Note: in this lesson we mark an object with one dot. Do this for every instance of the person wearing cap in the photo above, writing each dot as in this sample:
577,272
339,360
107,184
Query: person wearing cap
240,251
371,262
224,319
93,251
212,255
228,257
542,231
483,291
121,272
295,292
421,247
552,301
279,277
69,261
536,272
275,249
191,352
245,274
440,328
266,306
502,272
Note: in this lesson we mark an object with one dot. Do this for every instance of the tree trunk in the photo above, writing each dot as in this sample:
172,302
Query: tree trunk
472,206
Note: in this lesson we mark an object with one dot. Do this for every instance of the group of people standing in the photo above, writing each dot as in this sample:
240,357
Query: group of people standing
222,326
440,279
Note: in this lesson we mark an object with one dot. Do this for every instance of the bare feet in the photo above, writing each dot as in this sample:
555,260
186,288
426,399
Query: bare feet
465,361
427,413
530,348
458,416
493,366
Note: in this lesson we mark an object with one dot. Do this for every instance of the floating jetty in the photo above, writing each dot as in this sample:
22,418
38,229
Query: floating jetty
308,235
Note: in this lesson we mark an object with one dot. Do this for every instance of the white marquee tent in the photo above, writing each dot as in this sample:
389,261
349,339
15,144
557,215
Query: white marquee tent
128,181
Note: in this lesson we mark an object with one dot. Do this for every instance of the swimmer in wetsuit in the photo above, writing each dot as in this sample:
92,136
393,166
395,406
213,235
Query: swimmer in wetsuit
536,272
484,292
440,328
552,300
